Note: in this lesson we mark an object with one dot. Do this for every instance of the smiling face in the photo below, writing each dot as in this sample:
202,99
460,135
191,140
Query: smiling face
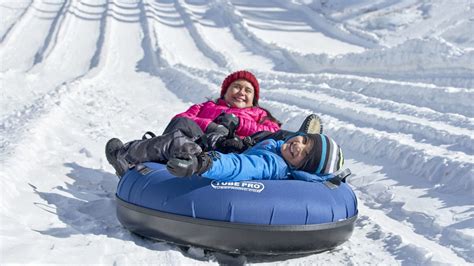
297,150
240,94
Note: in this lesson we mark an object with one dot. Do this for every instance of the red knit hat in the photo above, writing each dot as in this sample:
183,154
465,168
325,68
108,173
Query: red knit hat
242,74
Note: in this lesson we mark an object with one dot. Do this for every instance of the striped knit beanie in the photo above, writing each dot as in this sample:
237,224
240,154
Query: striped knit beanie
326,156
242,74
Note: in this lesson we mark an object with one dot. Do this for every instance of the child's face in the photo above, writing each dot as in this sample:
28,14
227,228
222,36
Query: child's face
240,94
296,150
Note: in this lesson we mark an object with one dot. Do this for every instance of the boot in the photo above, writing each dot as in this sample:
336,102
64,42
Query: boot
112,150
312,125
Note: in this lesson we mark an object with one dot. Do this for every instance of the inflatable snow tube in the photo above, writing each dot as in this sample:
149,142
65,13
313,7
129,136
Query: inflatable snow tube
261,217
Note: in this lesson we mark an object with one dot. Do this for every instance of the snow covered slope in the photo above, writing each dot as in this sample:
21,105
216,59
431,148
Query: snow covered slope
392,80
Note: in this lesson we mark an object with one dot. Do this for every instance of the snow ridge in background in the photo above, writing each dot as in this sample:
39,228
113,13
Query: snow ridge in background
392,81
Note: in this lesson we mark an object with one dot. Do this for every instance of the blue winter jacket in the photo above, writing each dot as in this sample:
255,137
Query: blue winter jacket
262,161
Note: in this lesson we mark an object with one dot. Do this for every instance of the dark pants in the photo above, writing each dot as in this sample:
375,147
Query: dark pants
179,136
158,149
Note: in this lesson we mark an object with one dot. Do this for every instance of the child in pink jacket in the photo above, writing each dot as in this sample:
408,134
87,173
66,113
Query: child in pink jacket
235,112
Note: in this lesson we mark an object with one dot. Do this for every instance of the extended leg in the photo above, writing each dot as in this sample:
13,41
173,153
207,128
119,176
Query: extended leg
158,149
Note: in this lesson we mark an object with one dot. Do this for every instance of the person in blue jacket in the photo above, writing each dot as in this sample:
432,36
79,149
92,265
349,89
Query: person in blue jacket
311,157
316,154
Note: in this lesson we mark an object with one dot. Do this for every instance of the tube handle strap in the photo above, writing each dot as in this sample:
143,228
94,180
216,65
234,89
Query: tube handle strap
338,177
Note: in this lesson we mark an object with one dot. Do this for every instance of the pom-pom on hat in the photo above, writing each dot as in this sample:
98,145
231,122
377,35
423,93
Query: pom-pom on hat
326,156
242,74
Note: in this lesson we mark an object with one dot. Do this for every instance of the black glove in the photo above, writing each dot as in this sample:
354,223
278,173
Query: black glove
185,164
214,134
218,129
233,145
208,142
230,121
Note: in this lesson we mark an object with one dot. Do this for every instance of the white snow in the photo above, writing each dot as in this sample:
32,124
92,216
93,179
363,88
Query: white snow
392,80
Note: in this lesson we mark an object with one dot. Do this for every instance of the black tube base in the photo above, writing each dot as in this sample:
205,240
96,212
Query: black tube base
234,238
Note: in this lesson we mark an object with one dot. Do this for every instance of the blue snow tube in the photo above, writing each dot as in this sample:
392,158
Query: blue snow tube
261,217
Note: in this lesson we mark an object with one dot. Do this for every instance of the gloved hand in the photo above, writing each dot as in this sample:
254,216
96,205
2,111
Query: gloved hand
233,145
230,121
185,164
208,142
214,134
218,129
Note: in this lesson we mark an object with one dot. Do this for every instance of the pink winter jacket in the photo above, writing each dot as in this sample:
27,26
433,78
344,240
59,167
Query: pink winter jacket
251,119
